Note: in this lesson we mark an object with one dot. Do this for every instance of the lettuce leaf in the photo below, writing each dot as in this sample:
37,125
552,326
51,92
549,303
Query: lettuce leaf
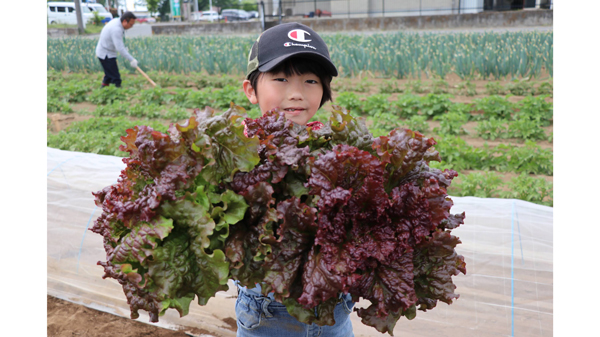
308,213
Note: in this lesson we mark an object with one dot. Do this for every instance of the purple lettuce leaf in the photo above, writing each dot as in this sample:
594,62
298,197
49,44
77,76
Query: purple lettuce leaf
436,261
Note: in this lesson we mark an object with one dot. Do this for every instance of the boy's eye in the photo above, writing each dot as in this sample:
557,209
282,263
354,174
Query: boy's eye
312,81
280,79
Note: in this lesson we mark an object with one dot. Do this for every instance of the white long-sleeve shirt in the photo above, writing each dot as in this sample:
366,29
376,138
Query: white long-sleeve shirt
111,41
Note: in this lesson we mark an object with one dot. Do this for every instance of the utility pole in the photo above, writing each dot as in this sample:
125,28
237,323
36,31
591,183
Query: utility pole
79,18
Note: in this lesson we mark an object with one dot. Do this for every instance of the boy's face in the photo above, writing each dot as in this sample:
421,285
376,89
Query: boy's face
299,96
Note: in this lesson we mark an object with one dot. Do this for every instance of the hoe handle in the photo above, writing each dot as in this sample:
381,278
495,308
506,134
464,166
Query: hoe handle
146,76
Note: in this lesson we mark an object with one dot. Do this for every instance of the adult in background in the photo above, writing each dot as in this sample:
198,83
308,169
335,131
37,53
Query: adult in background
111,42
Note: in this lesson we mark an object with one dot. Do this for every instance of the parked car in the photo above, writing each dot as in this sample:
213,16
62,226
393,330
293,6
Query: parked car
253,14
208,16
98,8
234,15
145,19
64,12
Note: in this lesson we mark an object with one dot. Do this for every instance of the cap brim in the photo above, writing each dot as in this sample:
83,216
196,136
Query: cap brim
274,62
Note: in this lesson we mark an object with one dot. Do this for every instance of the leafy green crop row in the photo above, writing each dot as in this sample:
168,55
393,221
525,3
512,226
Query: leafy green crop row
524,87
433,106
101,135
458,155
497,117
399,55
490,185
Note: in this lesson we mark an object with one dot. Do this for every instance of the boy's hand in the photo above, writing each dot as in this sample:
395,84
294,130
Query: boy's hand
134,63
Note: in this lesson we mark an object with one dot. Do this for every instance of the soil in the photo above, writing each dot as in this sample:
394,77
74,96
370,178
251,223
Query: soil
70,319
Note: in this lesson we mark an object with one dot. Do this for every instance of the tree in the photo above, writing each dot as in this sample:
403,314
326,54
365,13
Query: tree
152,5
164,8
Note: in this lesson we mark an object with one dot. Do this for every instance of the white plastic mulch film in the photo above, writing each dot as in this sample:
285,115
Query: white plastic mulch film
507,245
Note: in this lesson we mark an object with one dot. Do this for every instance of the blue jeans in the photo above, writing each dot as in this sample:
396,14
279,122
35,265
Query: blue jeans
262,316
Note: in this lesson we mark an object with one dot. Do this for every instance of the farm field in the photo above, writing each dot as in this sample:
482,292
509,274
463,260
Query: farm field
483,127
487,99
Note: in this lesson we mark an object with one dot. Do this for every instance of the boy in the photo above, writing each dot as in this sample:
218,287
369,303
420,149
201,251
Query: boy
111,42
288,68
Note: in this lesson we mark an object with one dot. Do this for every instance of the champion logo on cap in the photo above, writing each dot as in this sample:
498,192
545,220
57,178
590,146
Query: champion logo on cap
299,35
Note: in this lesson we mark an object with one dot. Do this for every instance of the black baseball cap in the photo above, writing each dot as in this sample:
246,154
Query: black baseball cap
280,42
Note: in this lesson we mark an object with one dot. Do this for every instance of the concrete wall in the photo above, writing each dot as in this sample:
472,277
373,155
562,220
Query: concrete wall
477,20
60,32
530,18
249,27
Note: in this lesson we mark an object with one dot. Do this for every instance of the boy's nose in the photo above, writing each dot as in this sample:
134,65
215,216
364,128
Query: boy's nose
295,92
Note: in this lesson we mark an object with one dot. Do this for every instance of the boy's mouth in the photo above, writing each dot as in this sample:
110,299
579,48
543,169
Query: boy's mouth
294,111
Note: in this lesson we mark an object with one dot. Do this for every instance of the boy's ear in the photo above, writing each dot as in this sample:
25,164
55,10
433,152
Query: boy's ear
250,92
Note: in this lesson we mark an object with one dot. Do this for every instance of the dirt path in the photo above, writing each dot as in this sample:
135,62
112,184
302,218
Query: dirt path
69,319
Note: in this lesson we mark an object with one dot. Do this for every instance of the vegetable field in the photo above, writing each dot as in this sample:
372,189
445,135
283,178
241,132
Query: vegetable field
496,134
486,98
396,55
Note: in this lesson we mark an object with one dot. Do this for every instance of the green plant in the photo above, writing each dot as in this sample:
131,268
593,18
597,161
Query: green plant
180,95
526,129
466,88
169,80
434,105
108,95
156,95
397,55
254,113
536,108
451,123
151,110
375,104
100,135
439,86
495,107
477,184
96,19
494,88
197,99
545,88
457,154
221,81
520,88
350,101
463,108
176,113
75,92
492,129
533,189
222,98
416,87
406,105
56,105
113,109
364,85
386,122
530,158
389,87
416,123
